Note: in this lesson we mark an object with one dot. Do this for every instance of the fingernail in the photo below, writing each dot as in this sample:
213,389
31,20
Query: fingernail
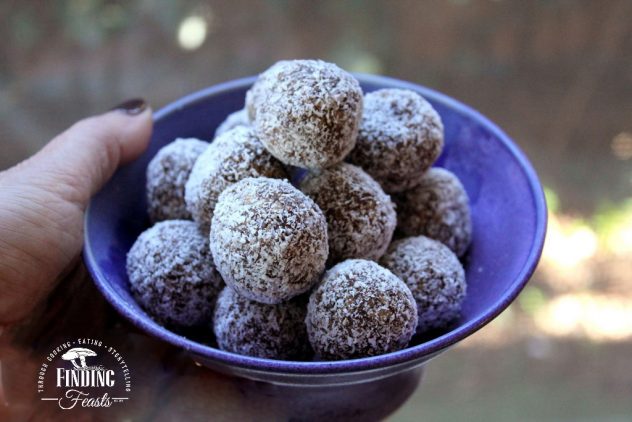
132,107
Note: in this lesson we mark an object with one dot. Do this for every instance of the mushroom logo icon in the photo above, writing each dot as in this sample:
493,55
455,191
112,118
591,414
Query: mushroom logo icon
78,353
66,378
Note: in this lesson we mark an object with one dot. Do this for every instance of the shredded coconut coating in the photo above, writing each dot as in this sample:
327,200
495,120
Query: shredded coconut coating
361,218
437,208
231,157
306,112
400,136
269,241
434,275
251,96
360,309
167,174
236,119
256,329
172,276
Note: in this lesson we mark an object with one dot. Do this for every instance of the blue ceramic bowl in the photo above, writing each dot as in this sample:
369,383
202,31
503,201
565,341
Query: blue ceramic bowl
508,213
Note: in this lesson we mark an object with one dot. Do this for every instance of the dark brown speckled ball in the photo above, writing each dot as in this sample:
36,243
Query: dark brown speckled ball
256,329
234,155
167,174
437,208
360,309
434,275
172,276
269,240
361,218
400,136
306,112
233,120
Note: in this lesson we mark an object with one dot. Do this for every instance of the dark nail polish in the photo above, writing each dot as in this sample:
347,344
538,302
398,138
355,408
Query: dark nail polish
132,107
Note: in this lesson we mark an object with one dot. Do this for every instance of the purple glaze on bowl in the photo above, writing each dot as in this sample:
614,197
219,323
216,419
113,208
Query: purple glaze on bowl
508,215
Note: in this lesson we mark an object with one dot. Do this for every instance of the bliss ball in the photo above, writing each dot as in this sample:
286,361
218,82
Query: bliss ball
361,218
167,174
232,156
257,329
269,241
437,208
236,119
306,112
252,97
360,309
172,276
400,136
434,275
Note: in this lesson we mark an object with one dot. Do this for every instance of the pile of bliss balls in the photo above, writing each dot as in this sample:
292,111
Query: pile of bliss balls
352,259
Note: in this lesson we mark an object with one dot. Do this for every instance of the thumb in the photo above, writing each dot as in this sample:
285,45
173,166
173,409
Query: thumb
42,201
77,163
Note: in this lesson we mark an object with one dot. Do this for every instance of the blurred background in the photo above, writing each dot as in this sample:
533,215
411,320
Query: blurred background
555,75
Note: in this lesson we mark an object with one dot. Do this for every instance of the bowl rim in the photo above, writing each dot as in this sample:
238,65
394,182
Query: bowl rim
426,349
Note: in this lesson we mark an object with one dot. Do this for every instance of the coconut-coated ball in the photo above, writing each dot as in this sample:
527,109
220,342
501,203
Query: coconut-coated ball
233,120
167,174
306,112
269,240
400,136
232,156
361,218
360,309
252,96
172,276
437,208
434,275
257,329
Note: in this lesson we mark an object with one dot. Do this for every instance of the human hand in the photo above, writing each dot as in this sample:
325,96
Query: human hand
43,199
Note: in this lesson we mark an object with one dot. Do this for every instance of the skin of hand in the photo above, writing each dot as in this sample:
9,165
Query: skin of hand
43,199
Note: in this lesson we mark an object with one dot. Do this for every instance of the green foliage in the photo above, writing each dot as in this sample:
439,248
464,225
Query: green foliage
90,22
552,200
532,299
610,218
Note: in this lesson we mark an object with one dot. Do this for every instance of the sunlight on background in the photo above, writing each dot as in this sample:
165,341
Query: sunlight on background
615,226
566,247
582,288
621,146
597,317
589,262
192,32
